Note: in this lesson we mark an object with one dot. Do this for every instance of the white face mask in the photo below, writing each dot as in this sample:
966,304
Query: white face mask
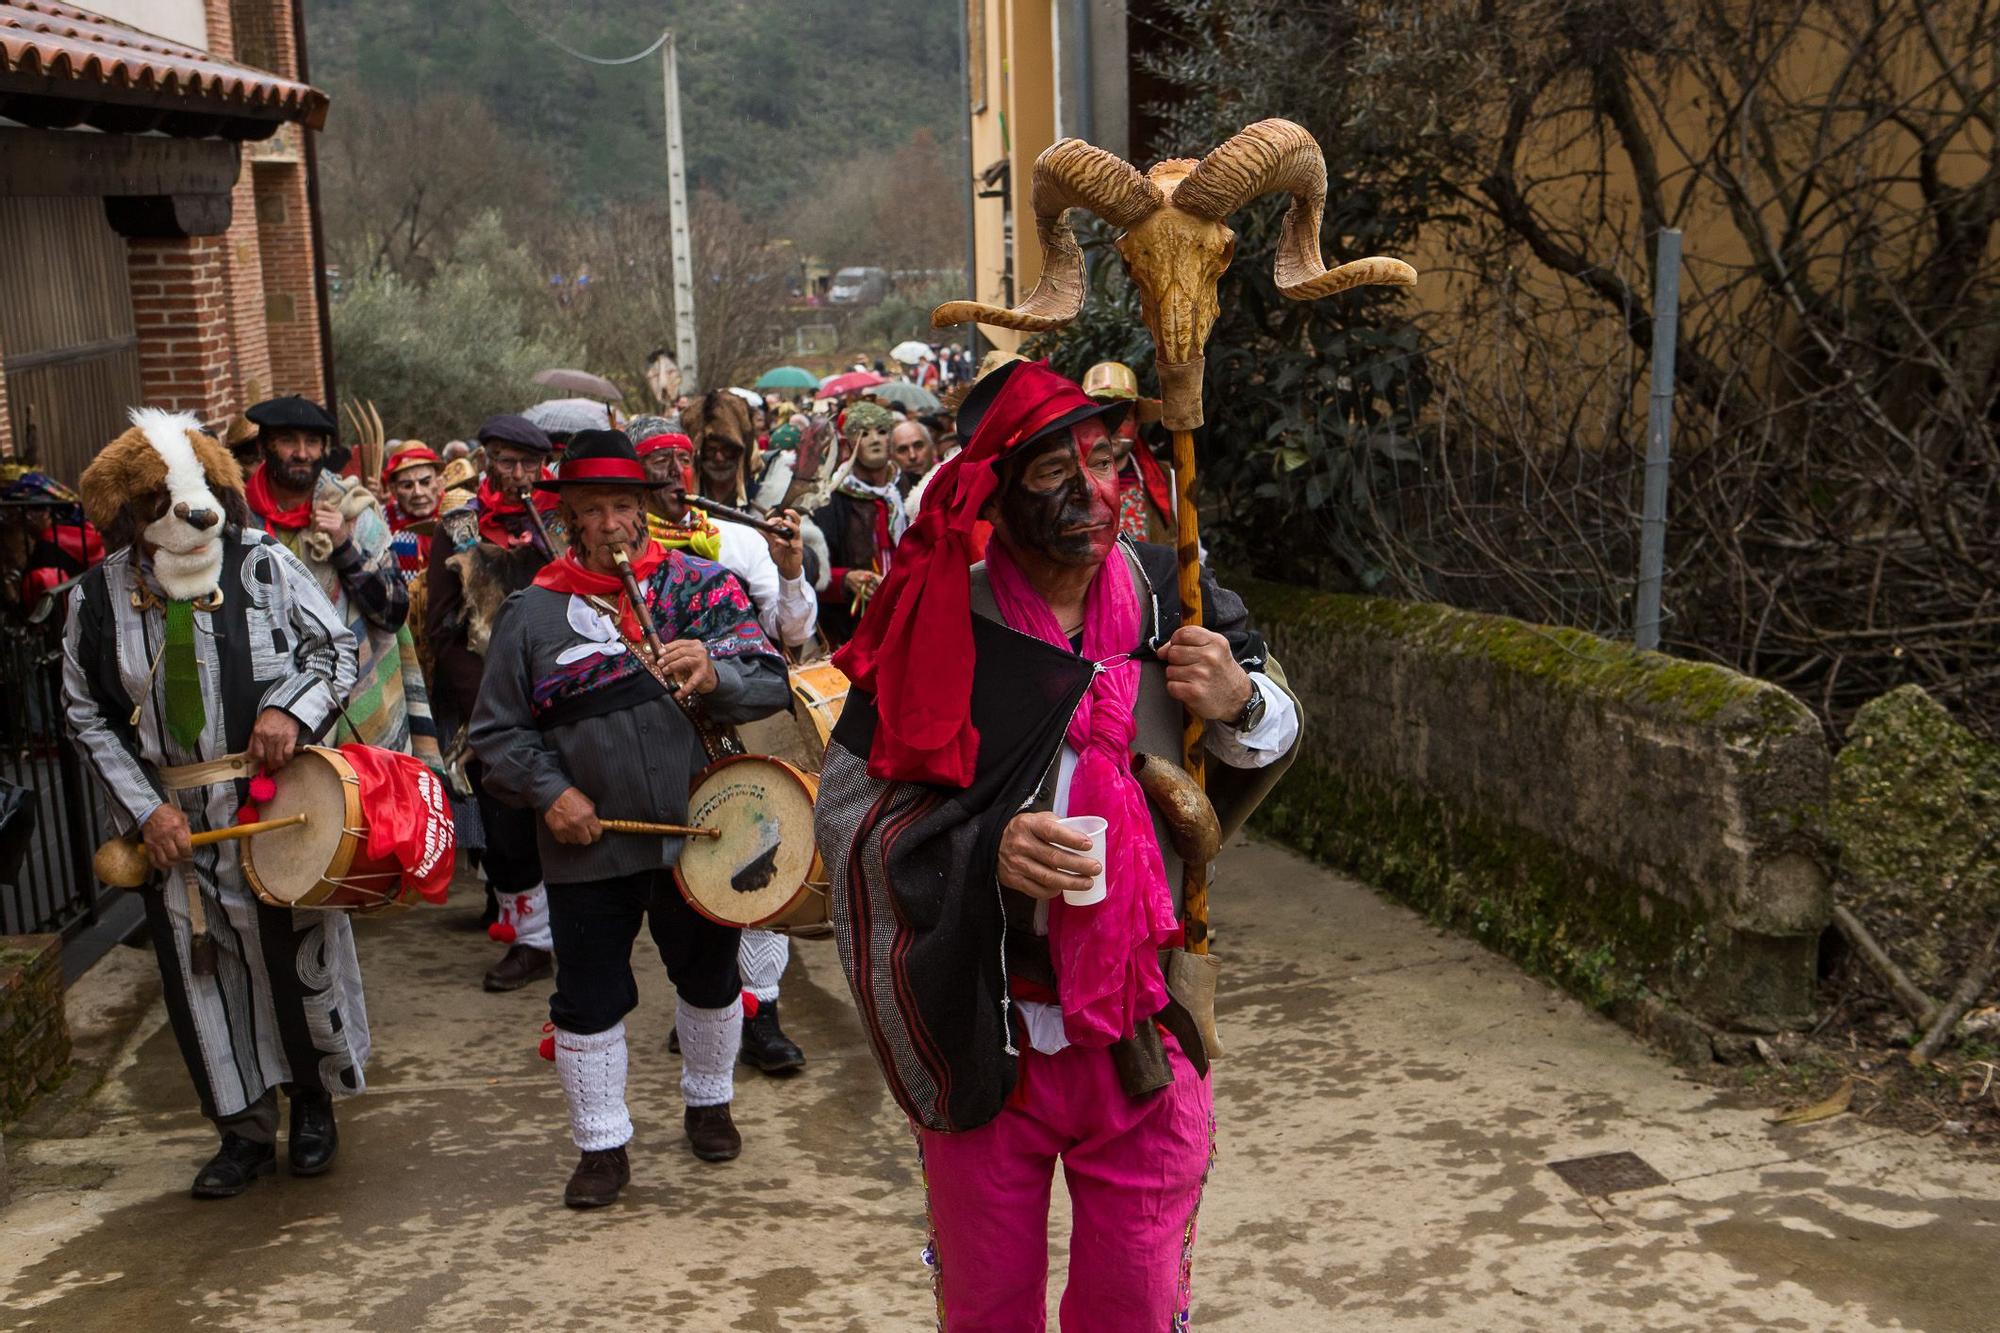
187,539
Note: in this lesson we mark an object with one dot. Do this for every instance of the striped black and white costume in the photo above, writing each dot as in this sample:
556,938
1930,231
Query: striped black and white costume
284,1006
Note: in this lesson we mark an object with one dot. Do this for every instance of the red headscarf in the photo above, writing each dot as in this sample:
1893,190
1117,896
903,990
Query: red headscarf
913,648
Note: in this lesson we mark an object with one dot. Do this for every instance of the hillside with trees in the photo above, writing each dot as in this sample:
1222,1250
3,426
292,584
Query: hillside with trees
469,156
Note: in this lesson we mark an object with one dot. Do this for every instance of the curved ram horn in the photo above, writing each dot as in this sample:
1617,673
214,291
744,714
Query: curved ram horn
1279,157
1069,174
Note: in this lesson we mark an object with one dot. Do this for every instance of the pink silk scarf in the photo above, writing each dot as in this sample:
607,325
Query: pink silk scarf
1107,954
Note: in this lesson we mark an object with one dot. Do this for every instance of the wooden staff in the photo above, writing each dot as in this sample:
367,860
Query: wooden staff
1187,546
663,830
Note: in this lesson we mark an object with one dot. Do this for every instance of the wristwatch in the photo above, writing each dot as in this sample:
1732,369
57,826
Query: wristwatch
1253,711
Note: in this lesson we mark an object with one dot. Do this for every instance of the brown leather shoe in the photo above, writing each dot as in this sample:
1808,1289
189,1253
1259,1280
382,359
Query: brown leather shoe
598,1177
712,1134
519,966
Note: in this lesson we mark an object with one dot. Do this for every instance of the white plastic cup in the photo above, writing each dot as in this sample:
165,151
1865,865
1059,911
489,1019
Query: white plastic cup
1094,828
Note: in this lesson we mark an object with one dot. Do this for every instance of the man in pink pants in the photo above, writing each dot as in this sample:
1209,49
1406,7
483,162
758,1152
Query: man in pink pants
1009,971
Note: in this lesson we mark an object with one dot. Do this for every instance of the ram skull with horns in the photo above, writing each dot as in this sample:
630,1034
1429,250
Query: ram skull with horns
1175,243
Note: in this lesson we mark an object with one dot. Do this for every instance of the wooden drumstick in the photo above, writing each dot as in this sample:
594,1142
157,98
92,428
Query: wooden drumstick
123,864
663,830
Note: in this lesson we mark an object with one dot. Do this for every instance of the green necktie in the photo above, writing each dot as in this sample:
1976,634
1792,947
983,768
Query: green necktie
186,714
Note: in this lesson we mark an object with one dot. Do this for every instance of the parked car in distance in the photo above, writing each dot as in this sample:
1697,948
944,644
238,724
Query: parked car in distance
859,286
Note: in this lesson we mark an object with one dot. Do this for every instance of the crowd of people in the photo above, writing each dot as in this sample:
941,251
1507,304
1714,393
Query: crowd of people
566,623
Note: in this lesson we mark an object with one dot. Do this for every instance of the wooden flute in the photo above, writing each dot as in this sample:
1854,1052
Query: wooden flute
730,514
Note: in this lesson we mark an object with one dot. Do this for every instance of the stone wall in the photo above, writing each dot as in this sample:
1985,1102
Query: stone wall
34,1035
1643,829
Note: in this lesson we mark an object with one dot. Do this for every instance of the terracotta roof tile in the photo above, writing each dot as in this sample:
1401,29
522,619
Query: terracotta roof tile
63,42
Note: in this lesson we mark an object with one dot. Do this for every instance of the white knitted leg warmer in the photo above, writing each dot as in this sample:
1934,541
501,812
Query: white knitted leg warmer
709,1042
528,914
761,958
593,1078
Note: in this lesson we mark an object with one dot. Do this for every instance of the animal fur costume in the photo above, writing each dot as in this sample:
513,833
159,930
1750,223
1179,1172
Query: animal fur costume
192,626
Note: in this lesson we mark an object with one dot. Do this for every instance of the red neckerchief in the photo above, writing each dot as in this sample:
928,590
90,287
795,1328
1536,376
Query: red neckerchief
496,505
568,574
257,494
1154,478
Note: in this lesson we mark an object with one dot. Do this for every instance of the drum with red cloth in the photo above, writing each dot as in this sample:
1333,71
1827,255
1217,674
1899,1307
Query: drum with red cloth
378,832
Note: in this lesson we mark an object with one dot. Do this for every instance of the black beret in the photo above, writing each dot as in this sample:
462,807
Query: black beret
293,413
509,428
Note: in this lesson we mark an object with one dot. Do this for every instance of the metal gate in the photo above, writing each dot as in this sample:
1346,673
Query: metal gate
71,353
53,890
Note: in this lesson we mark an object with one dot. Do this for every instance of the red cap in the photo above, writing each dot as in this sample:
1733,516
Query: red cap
664,440
410,457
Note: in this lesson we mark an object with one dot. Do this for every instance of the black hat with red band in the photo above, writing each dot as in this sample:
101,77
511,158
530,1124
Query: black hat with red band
598,458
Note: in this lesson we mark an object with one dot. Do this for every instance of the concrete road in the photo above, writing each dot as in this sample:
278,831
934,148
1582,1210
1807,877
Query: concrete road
1389,1108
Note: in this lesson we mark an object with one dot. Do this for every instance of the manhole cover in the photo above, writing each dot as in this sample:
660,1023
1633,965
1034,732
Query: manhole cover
1607,1174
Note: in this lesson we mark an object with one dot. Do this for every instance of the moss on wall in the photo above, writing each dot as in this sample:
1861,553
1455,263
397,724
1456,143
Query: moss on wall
1582,926
1638,828
1914,796
1569,660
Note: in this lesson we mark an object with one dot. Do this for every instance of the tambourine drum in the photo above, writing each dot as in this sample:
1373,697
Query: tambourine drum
819,692
325,863
763,869
799,734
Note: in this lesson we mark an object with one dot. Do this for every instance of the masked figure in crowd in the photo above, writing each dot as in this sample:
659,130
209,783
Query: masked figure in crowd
336,526
580,720
1018,1016
414,481
862,521
725,437
1145,490
201,637
485,551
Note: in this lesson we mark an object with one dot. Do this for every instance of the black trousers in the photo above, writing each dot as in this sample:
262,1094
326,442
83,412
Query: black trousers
595,924
513,860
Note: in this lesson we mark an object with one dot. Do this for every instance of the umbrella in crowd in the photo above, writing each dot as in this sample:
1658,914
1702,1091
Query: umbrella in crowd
787,377
910,397
754,399
581,382
570,415
836,386
911,352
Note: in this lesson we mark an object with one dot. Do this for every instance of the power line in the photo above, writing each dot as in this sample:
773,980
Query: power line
658,42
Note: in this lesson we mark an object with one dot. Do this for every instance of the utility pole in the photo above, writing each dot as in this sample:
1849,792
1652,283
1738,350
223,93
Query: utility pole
1659,441
677,223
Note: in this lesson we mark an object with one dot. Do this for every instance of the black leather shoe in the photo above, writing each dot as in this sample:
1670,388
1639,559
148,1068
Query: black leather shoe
520,965
765,1045
712,1134
598,1177
235,1166
314,1139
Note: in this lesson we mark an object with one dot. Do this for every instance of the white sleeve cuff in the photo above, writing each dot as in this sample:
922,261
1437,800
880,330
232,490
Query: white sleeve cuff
1265,743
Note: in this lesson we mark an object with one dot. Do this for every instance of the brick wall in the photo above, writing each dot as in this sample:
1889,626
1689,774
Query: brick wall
291,304
34,1034
264,35
250,350
180,308
221,30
